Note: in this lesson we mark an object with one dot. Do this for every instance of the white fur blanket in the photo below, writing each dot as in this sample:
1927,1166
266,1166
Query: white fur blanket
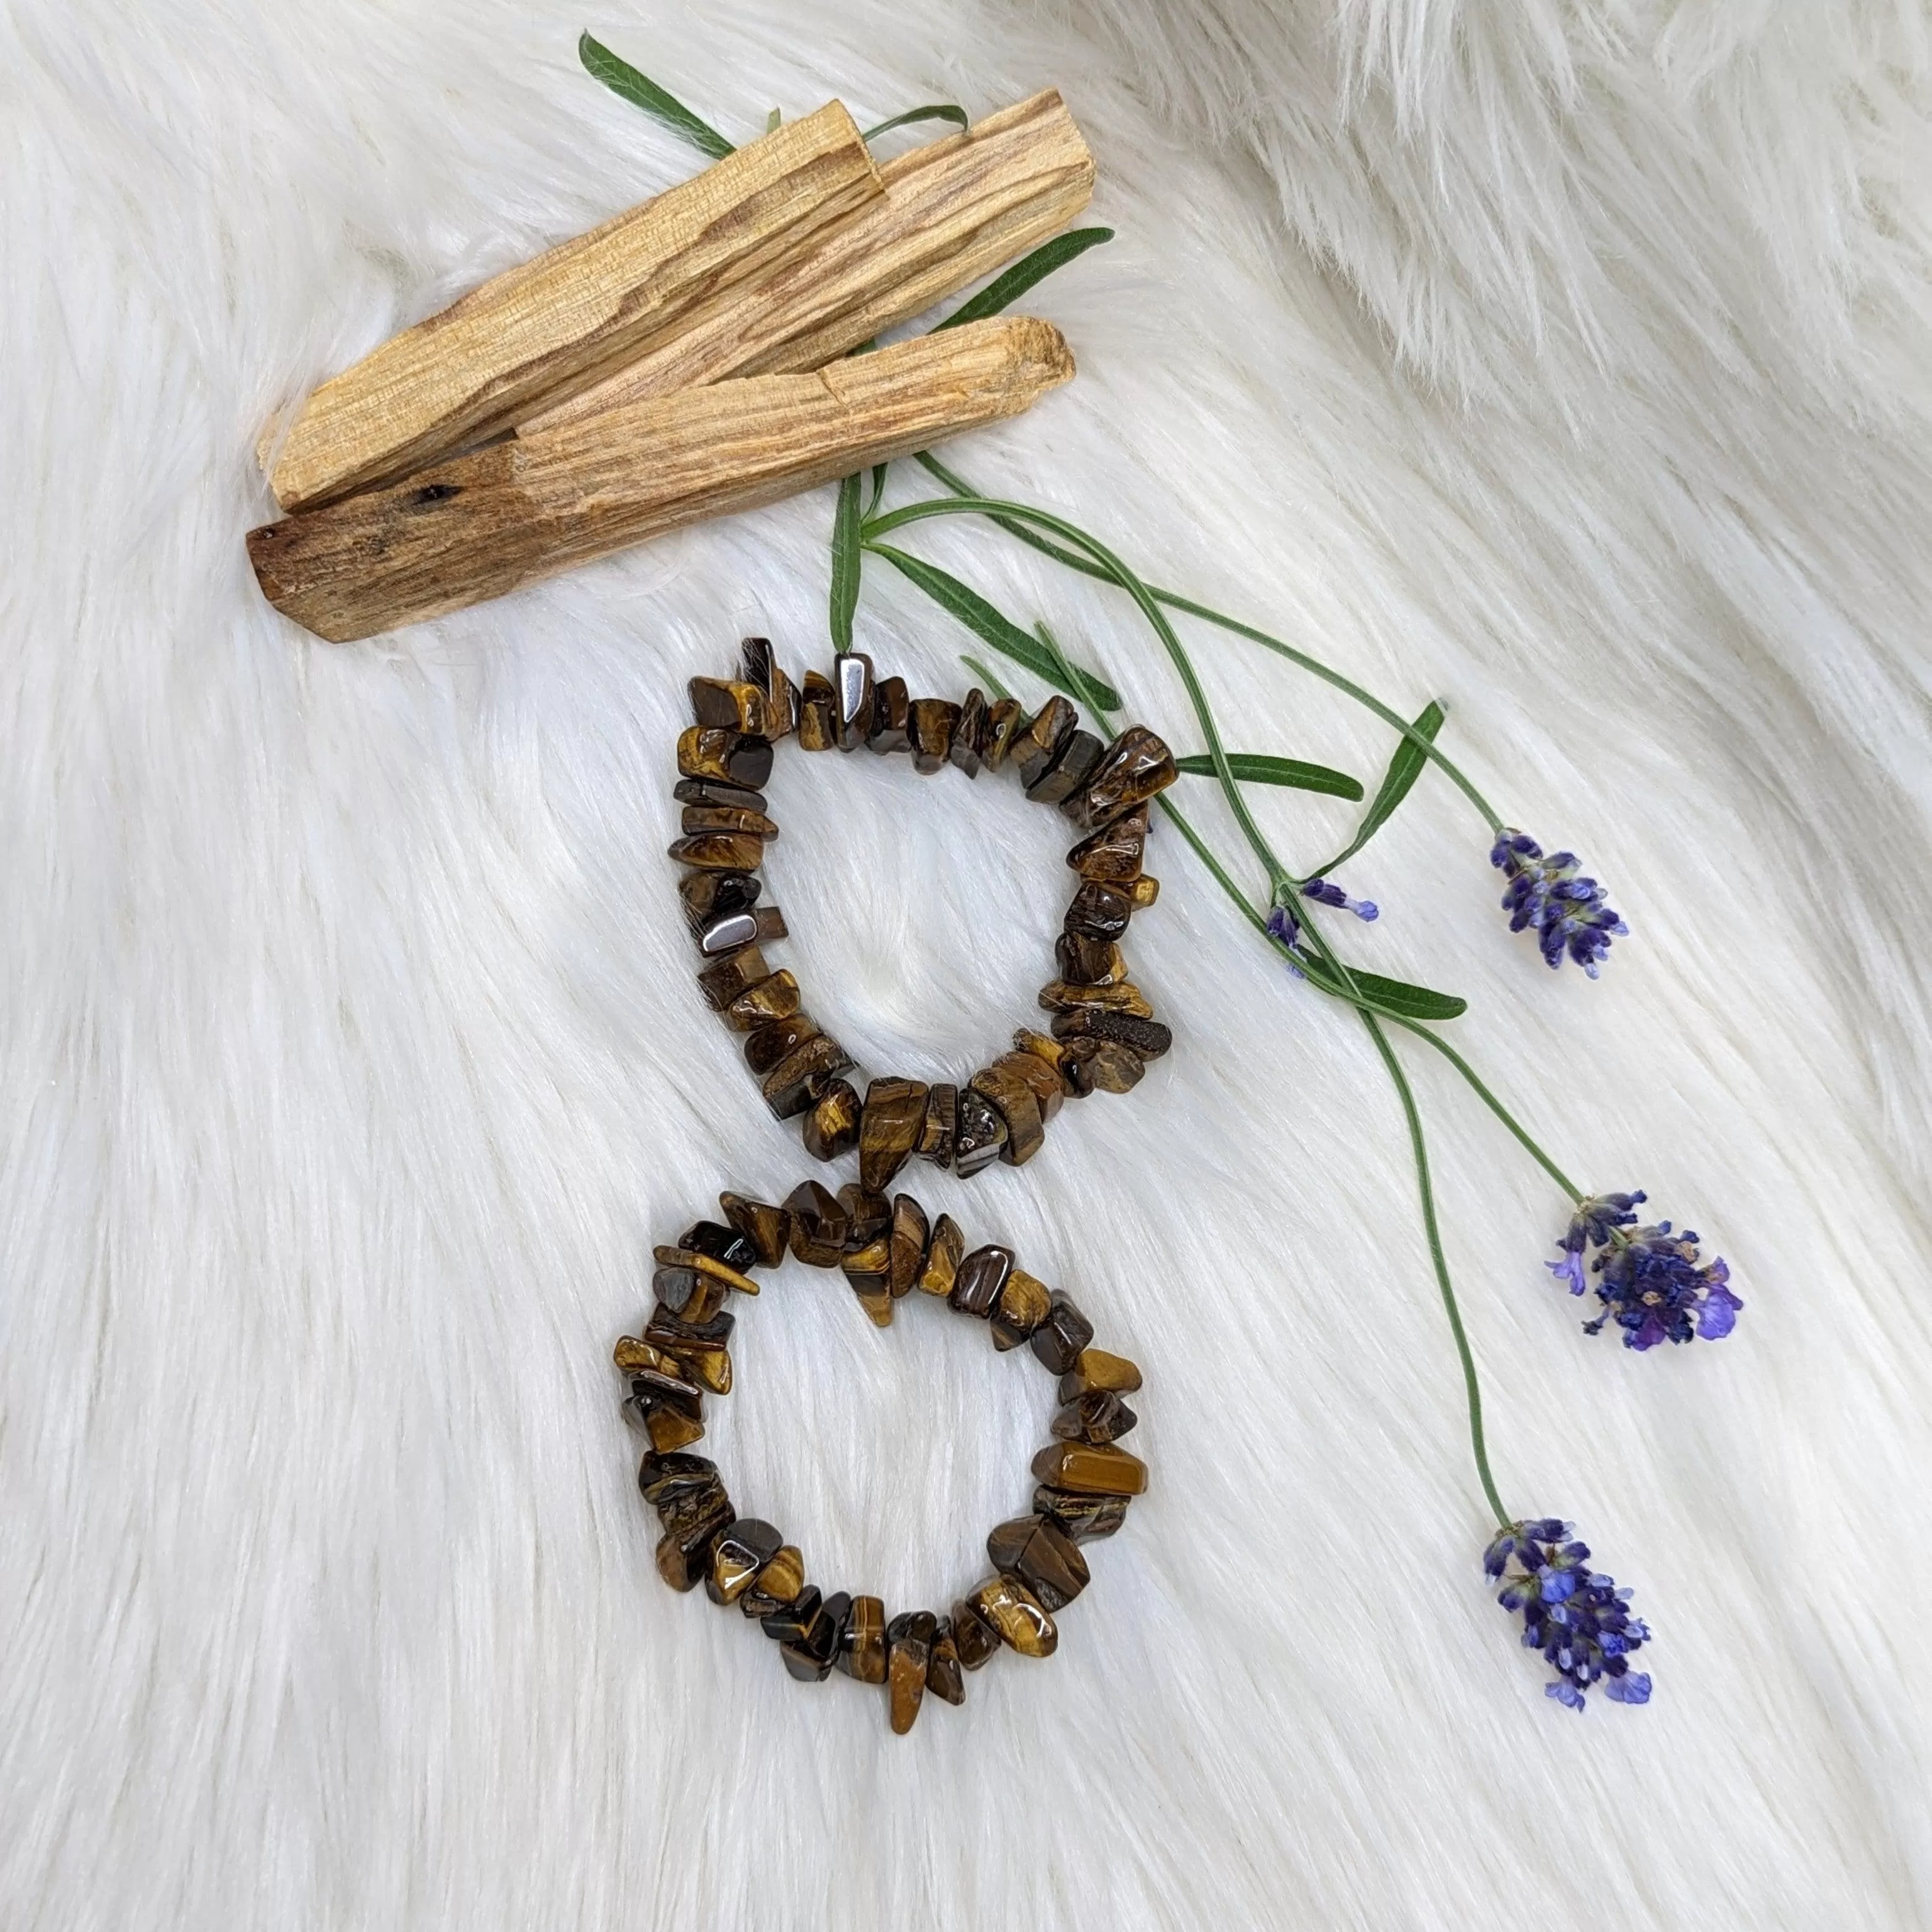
1570,362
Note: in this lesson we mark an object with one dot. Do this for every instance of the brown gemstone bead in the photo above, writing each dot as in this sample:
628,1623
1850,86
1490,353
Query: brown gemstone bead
942,1255
810,1657
788,1087
758,664
874,1298
981,1276
831,1127
892,728
1042,1555
661,1479
818,723
1099,1416
769,1042
709,791
944,1677
633,1354
906,1245
818,1225
708,896
694,1286
732,931
778,1583
737,1557
942,1124
725,757
728,818
890,1128
1022,1306
1064,996
980,1138
1013,1610
791,1621
689,1352
725,980
722,1243
1094,1469
775,998
1040,1079
933,719
684,1553
969,733
908,1655
1143,891
1048,1051
766,1227
1112,856
852,678
1149,1039
1098,912
1059,1340
1036,747
1072,764
1084,1518
720,851
975,1636
1097,1370
1088,962
1102,1067
869,1215
684,1504
725,704
668,1425
1005,719
1137,766
861,1653
675,1332
1014,1099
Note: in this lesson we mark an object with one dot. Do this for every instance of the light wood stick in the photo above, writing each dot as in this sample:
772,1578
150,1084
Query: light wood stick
538,331
951,211
479,525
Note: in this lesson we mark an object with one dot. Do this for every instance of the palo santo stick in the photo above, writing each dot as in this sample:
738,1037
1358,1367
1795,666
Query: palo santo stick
538,331
479,525
952,210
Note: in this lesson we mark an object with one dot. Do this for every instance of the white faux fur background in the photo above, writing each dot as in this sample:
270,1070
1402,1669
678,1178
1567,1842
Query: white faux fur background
1570,362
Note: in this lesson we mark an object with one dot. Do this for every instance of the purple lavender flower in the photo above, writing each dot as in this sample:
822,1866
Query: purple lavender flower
1325,892
1575,1615
1568,913
1652,1282
1284,928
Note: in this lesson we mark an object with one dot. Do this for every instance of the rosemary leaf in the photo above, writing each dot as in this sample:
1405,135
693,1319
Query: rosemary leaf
845,563
1258,768
938,111
993,625
1013,283
621,77
1390,996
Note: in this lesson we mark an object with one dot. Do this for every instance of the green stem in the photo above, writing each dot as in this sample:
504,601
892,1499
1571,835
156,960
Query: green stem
993,507
1495,1106
1175,601
1471,1386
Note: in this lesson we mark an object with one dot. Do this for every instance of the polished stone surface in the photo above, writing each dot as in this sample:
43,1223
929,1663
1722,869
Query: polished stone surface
723,980
720,851
728,818
1037,1552
725,757
766,1227
889,1130
981,1276
1013,1099
711,791
1097,1370
1006,717
769,1041
1066,996
809,1657
1022,1306
775,998
1085,1518
721,1242
863,1653
1036,747
1113,855
1098,912
906,1245
787,1087
818,1225
943,1676
979,1138
892,721
728,704
1089,962
933,719
817,714
944,1253
732,931
1099,1416
852,678
1059,1340
1101,1066
737,1557
684,1553
1092,1469
1137,766
942,1125
909,1638
969,733
710,895
780,1583
1069,770
975,1635
868,1214
832,1122
1019,1617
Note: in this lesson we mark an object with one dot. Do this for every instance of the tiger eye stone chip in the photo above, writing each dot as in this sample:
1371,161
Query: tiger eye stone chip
1041,1554
1091,1469
1023,1305
1017,1615
832,1124
944,1253
862,1652
909,1640
1058,1340
1099,1416
1084,1518
737,1557
975,1635
818,1225
766,1227
890,1128
1012,1095
906,1246
944,1678
1097,1370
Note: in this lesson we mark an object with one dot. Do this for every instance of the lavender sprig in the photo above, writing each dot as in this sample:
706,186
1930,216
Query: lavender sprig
1575,1615
1653,1282
1569,914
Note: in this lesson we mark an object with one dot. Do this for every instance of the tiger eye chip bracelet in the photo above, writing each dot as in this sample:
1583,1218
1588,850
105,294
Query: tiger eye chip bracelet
1103,1030
1085,1478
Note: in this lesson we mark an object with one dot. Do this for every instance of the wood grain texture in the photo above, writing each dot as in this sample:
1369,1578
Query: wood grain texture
538,331
479,525
952,211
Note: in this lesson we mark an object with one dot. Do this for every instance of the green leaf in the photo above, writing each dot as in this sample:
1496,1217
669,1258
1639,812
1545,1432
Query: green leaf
993,625
1393,996
845,562
621,77
939,111
774,120
1009,287
1090,691
985,674
878,490
1404,769
1257,768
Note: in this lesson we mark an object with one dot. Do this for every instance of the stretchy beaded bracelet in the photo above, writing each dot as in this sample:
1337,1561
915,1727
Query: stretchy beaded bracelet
886,1249
1103,1030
